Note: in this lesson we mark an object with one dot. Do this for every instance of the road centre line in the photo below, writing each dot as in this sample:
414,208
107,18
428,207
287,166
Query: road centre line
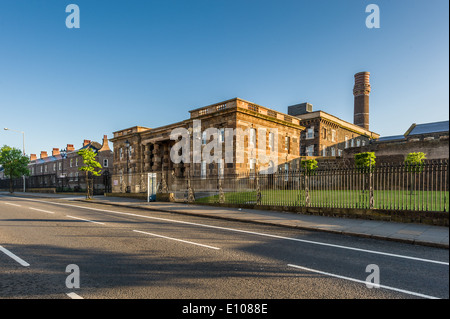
15,257
74,295
254,233
12,204
171,238
86,220
41,210
364,282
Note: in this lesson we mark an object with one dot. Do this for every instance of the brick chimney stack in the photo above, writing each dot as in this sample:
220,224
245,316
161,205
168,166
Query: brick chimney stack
55,151
33,157
44,154
86,142
361,91
70,148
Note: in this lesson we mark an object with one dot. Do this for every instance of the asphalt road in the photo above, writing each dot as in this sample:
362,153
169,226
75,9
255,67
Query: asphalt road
125,253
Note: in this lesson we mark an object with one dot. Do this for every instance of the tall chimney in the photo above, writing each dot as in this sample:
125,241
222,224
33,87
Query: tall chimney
361,91
70,148
33,157
44,154
86,142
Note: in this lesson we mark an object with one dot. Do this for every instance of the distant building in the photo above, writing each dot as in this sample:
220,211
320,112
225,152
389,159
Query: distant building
65,163
429,138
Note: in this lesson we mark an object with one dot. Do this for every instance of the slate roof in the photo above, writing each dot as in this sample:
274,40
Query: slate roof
427,128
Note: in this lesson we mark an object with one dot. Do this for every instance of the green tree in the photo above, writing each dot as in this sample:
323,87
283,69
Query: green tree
90,165
365,163
414,164
309,166
14,164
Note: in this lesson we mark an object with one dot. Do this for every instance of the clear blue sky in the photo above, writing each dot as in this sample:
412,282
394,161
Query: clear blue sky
149,62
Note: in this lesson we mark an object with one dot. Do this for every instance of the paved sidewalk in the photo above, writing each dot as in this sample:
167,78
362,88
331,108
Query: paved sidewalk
436,236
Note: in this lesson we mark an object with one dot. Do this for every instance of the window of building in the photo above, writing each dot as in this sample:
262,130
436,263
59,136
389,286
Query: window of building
333,151
339,152
105,162
324,133
76,176
222,135
204,138
310,150
41,169
220,168
324,151
363,142
71,162
333,135
54,167
346,142
287,142
120,153
352,143
310,133
271,141
76,161
45,168
59,166
358,142
252,140
286,172
203,169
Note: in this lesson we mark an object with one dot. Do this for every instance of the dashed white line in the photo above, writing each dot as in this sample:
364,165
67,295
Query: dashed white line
15,257
41,210
12,204
86,220
74,295
184,241
363,282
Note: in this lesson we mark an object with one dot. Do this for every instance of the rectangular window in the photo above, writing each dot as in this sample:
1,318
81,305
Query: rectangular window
346,142
59,166
333,151
252,139
54,167
286,172
120,153
45,168
71,162
363,142
220,168
310,150
352,143
271,141
222,135
310,133
204,138
358,142
76,161
203,169
324,133
333,135
339,152
287,143
324,151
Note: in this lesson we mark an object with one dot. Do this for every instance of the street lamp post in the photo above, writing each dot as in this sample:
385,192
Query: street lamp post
23,149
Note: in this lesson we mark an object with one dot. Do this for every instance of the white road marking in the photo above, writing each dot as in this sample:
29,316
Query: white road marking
16,258
254,233
41,210
86,220
74,295
184,241
12,204
363,282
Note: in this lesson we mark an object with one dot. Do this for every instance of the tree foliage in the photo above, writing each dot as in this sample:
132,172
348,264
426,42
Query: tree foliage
365,162
309,166
414,162
14,163
90,166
